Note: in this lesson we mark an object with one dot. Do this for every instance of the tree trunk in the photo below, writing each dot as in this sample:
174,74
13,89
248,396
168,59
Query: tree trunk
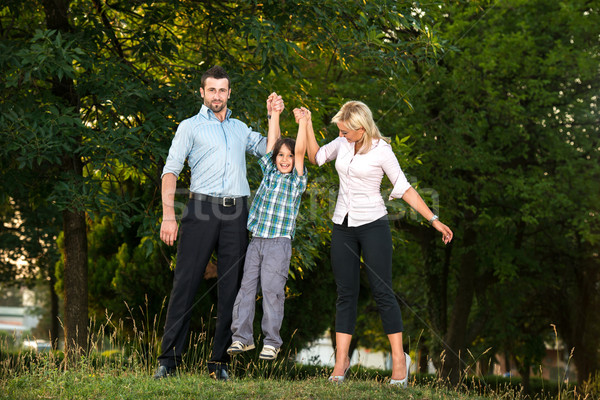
507,368
436,278
54,325
455,341
423,351
576,313
75,282
524,372
584,330
436,273
74,226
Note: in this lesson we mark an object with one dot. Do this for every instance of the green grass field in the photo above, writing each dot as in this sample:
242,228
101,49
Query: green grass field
105,385
28,375
122,369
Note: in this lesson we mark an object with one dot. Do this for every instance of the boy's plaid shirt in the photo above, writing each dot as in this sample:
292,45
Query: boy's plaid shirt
275,207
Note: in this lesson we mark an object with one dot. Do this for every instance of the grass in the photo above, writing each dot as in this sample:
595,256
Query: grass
131,385
26,375
120,365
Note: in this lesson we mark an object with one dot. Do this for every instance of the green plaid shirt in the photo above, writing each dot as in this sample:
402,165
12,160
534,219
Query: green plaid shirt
275,207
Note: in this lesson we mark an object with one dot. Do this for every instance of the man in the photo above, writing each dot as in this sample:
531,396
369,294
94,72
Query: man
215,216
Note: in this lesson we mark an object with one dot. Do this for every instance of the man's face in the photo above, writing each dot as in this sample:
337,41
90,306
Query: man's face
215,94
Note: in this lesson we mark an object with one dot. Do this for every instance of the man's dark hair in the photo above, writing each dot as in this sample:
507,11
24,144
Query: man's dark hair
288,142
216,72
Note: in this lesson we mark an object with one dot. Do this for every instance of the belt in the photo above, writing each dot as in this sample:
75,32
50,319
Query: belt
224,201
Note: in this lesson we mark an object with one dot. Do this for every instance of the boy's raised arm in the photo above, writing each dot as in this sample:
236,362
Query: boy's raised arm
302,117
274,108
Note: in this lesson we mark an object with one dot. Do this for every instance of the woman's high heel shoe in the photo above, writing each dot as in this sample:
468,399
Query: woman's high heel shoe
339,378
402,382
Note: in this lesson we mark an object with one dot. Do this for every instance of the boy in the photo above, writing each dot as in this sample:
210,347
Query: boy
272,221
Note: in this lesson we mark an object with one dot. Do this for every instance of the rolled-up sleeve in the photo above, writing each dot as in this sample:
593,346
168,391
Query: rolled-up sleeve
328,152
179,151
300,181
257,143
391,167
266,163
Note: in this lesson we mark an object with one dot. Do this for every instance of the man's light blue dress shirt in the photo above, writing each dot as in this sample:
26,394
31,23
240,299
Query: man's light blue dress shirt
216,153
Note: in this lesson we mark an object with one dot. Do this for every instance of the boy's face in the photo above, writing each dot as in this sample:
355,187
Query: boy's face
284,160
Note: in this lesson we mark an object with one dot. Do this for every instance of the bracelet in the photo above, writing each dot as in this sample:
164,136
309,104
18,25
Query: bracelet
433,218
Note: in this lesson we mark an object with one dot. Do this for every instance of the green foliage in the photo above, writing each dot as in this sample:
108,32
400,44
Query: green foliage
591,387
7,341
501,138
508,128
134,69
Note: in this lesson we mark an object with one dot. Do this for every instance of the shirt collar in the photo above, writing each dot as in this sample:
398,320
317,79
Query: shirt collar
209,114
375,142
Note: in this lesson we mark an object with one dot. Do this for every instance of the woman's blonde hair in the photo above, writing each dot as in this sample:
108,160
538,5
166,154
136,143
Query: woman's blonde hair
355,115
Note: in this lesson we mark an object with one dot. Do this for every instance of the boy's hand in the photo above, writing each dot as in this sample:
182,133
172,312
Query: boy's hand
298,114
307,113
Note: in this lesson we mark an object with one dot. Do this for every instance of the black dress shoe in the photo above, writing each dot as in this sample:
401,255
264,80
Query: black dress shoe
220,374
164,372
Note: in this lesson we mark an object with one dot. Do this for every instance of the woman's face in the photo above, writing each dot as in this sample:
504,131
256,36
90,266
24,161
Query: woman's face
351,135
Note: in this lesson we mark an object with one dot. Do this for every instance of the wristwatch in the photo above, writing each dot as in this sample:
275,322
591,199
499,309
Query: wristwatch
433,218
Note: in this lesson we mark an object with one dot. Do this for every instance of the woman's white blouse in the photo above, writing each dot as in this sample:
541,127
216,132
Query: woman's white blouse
360,179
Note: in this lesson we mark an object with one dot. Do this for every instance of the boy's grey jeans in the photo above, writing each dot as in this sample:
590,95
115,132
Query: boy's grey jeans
267,264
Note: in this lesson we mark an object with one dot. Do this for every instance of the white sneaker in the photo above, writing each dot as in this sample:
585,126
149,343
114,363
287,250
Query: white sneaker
239,347
268,353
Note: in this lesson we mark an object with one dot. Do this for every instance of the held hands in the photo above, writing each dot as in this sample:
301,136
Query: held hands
300,113
275,104
168,231
446,232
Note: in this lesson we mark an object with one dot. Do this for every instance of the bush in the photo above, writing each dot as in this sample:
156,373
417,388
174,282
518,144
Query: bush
26,361
591,387
484,385
7,341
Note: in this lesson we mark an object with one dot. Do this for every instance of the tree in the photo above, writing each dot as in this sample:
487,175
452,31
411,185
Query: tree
27,238
55,123
93,91
508,126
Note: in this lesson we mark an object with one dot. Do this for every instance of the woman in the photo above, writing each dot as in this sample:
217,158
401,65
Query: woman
360,225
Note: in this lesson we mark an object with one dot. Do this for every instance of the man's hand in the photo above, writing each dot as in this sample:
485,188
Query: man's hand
168,231
275,104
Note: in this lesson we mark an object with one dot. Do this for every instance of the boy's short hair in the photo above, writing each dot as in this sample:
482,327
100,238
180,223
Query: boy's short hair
288,142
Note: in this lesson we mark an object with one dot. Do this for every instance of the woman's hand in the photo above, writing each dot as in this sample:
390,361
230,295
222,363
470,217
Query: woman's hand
307,113
446,232
300,113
